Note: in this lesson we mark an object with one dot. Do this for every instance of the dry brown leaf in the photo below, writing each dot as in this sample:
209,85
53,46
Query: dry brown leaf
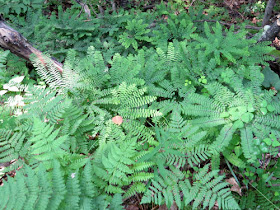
255,20
117,120
216,206
235,187
164,207
233,3
276,42
131,207
229,3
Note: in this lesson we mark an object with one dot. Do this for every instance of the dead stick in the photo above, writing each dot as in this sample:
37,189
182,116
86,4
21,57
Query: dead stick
85,7
113,3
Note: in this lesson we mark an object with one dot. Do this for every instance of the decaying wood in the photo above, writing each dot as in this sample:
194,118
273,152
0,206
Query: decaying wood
272,32
12,40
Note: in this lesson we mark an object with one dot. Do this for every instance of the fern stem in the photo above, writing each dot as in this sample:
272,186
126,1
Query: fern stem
233,174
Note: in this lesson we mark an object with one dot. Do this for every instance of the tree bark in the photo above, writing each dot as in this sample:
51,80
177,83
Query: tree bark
12,40
272,32
268,12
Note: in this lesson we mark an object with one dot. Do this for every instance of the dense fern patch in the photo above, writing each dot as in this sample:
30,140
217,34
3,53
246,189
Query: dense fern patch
168,113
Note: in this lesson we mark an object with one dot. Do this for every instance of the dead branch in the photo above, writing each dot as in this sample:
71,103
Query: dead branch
12,40
85,7
113,3
101,10
145,8
93,10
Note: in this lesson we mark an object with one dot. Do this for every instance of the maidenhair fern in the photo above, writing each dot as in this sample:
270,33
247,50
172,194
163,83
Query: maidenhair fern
178,27
217,45
135,31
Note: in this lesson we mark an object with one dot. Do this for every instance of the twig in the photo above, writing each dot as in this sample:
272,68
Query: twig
101,10
85,7
113,3
192,3
80,12
268,12
148,7
93,10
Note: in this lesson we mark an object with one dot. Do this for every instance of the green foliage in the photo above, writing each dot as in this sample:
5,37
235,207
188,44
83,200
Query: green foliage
3,59
52,190
205,189
178,27
156,105
12,145
136,31
18,7
117,166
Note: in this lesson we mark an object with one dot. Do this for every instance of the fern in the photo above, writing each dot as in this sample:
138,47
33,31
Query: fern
12,145
178,27
3,57
116,167
130,102
204,191
227,108
46,143
189,97
21,6
44,104
42,190
228,46
136,31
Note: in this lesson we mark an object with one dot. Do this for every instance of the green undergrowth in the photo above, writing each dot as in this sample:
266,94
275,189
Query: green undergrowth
169,113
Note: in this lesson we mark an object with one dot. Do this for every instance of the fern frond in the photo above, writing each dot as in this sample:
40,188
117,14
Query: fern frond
223,139
46,143
247,144
11,145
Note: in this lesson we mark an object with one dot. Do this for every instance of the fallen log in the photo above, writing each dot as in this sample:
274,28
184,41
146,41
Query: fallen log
12,40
